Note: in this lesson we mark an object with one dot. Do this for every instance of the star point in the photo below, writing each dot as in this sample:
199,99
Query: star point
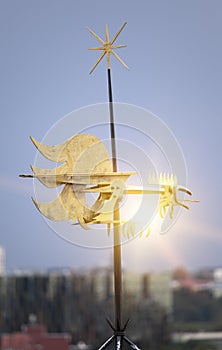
107,47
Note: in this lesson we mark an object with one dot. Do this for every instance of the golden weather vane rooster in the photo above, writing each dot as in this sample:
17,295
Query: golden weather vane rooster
87,168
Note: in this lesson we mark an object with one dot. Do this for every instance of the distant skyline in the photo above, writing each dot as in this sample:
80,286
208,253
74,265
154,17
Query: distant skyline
174,54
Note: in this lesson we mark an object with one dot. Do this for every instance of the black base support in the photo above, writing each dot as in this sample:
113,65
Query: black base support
119,336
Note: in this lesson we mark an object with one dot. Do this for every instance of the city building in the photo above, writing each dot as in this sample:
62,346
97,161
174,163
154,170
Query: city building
217,282
2,261
102,282
160,289
35,337
132,283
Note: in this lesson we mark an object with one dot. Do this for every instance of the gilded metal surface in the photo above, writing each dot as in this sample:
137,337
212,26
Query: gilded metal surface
83,155
169,193
50,178
87,168
107,47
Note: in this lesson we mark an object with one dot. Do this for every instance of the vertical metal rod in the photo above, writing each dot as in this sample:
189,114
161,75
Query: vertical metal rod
117,261
112,123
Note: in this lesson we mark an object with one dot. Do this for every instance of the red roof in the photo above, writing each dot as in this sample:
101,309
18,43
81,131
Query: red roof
35,337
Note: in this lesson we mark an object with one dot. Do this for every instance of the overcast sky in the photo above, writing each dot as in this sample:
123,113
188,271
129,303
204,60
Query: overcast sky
174,53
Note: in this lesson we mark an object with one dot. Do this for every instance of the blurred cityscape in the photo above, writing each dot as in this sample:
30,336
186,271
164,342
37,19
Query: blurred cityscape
67,309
